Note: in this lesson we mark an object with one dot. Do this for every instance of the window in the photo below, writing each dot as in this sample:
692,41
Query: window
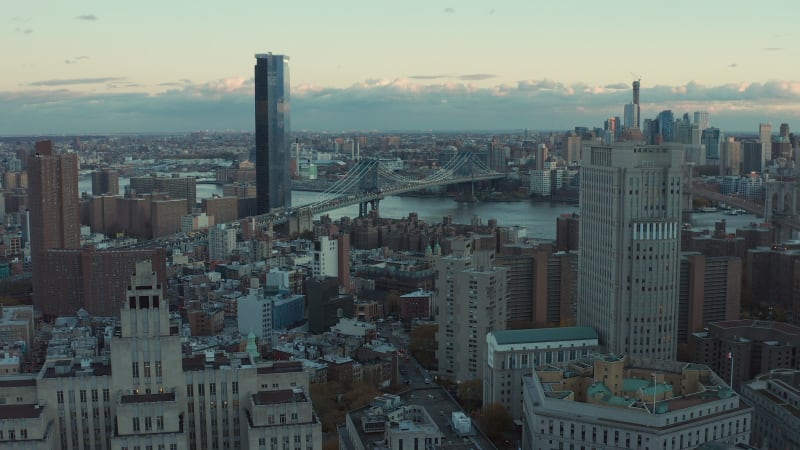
283,418
60,396
201,389
160,423
262,441
212,389
94,395
158,368
83,396
135,369
147,369
105,395
148,424
189,390
136,424
235,387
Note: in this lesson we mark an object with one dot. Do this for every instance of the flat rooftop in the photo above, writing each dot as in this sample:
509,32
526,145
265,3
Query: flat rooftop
439,406
281,367
532,335
21,411
72,369
277,397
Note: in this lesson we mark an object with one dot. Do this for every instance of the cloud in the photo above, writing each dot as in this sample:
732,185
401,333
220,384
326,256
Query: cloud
427,77
23,30
491,11
476,76
72,81
772,49
75,60
449,10
733,65
401,103
89,17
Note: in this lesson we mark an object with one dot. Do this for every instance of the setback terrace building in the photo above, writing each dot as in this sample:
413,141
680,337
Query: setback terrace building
611,402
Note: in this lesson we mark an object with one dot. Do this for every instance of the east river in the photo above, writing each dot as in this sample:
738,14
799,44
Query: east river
538,217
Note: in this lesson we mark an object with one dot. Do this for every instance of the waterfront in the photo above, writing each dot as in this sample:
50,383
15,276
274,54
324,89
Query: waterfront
538,217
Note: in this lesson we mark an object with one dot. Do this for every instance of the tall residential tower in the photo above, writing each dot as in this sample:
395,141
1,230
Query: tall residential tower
273,156
629,264
54,215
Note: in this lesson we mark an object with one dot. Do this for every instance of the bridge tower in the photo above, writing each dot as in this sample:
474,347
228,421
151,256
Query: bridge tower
369,185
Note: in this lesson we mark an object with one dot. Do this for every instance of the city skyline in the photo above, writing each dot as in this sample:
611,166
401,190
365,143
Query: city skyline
92,67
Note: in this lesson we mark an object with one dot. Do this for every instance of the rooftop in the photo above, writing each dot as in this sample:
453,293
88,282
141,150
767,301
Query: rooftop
510,337
67,368
281,367
439,406
20,411
276,397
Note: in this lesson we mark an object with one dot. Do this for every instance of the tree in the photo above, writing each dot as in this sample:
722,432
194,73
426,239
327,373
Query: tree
494,422
470,393
422,344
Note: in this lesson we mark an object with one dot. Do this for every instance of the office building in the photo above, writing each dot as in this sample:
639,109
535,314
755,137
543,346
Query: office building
150,396
326,258
615,402
629,247
573,148
775,397
272,114
765,138
666,125
54,215
712,139
752,159
784,131
730,157
702,120
472,299
105,182
636,123
513,354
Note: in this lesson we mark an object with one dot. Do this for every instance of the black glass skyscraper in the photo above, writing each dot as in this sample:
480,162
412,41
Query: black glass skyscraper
273,155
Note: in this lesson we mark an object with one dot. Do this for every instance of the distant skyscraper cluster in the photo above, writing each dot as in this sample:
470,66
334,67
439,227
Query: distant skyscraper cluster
273,152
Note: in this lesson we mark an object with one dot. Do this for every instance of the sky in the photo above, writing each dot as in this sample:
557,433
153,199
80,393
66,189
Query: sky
97,66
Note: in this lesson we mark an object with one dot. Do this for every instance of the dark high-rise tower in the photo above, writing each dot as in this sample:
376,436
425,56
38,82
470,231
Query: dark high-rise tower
54,212
273,156
636,102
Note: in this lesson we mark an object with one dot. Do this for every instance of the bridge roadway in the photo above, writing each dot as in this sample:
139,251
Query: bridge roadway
311,209
353,199
699,189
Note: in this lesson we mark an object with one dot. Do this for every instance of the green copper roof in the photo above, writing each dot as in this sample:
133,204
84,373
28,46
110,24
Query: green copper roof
510,337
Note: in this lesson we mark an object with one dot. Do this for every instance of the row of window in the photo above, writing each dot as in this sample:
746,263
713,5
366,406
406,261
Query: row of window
82,394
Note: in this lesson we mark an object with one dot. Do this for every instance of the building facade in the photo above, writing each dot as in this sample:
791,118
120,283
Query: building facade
775,397
54,215
148,395
629,247
513,354
611,402
272,113
471,300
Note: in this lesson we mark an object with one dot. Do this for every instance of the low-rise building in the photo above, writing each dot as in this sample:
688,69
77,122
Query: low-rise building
512,354
775,397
